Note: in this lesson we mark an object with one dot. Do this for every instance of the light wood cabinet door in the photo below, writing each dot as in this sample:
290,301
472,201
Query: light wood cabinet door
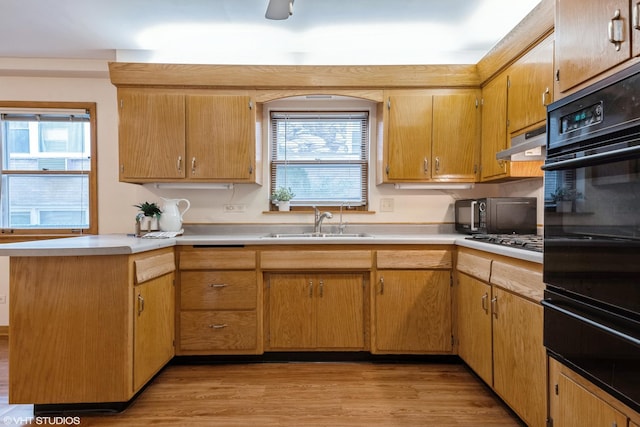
151,134
583,49
323,311
494,128
474,325
530,87
578,407
519,356
412,311
408,133
220,137
456,137
153,328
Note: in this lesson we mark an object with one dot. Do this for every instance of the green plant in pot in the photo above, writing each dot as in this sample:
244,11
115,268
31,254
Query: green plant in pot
564,198
147,219
282,197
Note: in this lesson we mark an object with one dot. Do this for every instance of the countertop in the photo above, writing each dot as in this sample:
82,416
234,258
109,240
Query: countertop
117,244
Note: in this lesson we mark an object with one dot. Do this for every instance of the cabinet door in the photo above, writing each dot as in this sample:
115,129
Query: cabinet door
291,317
583,49
530,87
220,137
494,128
474,325
578,407
408,137
340,311
154,327
151,135
519,357
456,137
413,311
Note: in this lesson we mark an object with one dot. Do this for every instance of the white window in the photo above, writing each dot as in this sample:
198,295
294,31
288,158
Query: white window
48,168
321,156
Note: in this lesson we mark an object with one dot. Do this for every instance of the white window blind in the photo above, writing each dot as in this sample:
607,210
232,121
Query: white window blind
321,156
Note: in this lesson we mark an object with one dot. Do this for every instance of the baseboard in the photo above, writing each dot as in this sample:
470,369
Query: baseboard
4,330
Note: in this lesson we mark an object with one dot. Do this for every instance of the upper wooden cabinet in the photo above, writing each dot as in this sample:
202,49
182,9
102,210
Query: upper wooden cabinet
530,87
593,37
429,136
172,135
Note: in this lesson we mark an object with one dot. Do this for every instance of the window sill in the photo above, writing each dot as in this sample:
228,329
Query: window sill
310,212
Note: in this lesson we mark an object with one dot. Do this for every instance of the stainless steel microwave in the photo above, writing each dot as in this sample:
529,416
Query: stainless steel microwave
496,215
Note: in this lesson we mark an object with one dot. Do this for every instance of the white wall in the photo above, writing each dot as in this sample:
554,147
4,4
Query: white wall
81,81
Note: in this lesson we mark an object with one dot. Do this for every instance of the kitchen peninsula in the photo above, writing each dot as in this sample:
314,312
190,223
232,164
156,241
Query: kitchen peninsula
111,311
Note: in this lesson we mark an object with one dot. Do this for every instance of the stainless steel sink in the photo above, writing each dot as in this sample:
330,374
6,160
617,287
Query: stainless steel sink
316,235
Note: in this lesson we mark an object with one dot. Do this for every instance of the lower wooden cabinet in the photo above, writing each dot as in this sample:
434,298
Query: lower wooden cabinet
500,330
315,311
219,302
411,301
576,402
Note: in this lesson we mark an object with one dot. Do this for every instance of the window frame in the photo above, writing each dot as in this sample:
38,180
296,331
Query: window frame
92,174
366,164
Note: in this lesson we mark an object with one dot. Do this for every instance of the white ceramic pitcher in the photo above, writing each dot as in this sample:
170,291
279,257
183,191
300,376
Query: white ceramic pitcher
171,217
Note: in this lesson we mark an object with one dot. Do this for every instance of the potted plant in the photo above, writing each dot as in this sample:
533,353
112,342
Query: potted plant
148,216
564,198
282,197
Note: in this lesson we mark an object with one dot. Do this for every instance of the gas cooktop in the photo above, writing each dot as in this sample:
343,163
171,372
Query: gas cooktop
530,242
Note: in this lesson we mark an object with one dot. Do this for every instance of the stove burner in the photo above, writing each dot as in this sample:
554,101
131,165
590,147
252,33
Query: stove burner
531,242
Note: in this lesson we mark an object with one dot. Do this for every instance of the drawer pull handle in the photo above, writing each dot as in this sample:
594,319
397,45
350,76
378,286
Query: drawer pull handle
224,325
310,288
140,304
321,288
218,285
616,30
381,285
485,306
494,306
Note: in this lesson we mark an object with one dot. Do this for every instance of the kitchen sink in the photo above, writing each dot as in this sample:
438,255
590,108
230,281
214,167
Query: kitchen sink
316,235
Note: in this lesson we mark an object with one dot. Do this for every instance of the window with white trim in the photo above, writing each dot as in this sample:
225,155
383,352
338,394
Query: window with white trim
48,179
322,156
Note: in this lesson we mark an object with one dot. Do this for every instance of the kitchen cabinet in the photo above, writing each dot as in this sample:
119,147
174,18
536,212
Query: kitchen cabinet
412,302
494,129
496,303
199,136
219,300
104,320
429,136
574,401
323,311
591,38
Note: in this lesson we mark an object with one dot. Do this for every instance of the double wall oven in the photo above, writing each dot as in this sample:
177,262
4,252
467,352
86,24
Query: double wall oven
592,234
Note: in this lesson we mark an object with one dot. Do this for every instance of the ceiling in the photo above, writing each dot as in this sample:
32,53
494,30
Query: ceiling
320,32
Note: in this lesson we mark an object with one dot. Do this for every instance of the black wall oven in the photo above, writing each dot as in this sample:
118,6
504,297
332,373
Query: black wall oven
592,234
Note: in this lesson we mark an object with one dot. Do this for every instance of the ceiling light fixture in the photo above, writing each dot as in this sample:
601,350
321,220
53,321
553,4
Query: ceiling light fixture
279,9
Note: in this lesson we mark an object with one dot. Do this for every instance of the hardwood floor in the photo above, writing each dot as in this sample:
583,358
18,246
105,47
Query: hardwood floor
299,394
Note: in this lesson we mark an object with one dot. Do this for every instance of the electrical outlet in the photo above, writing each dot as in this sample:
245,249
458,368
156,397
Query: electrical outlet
3,299
235,208
386,205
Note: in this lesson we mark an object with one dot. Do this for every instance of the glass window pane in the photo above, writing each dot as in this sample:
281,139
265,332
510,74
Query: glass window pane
322,183
45,201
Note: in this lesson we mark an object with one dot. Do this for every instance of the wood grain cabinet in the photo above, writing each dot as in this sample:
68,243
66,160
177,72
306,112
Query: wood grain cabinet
576,402
500,329
412,302
219,304
593,37
322,311
173,135
104,323
429,136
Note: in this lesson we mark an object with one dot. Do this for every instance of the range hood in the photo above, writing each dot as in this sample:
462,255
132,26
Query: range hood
528,146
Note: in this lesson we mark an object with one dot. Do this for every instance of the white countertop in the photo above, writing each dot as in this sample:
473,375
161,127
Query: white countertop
118,244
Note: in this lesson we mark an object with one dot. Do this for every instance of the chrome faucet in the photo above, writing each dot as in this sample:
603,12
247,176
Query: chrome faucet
319,217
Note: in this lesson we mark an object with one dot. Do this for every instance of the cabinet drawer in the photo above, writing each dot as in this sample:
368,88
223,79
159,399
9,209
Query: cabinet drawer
409,259
305,260
473,265
150,267
218,330
228,259
519,279
218,290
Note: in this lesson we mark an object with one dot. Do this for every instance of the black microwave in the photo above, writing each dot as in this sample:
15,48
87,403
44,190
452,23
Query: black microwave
496,215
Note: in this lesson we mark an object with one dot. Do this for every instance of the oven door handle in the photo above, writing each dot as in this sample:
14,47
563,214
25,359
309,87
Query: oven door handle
594,159
550,305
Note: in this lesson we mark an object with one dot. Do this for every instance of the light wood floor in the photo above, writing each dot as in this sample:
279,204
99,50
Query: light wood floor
332,394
